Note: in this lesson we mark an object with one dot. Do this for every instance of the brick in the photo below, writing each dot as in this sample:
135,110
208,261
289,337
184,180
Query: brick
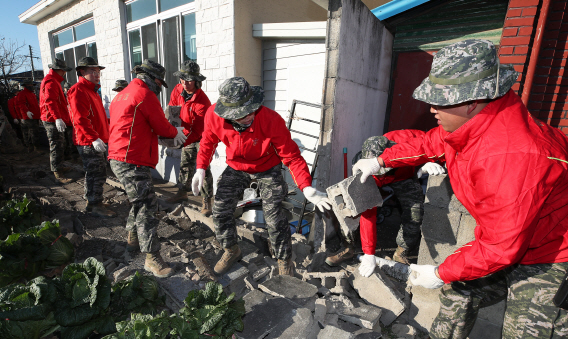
517,59
554,16
514,12
538,89
519,22
525,31
511,31
530,11
520,68
506,50
534,105
515,41
559,122
521,50
516,87
523,3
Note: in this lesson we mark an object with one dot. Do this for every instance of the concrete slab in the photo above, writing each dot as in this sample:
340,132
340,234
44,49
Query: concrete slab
233,280
264,317
335,333
365,315
288,287
178,286
298,326
253,298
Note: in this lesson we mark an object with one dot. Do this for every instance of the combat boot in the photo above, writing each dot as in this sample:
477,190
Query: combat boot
231,255
60,177
345,254
100,210
156,265
286,267
181,195
401,256
206,206
132,243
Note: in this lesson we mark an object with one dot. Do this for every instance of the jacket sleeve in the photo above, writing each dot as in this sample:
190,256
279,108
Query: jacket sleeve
157,119
288,151
81,115
51,98
209,141
20,106
196,129
417,151
510,190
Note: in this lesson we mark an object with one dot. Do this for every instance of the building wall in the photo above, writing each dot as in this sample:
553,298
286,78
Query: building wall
108,33
248,50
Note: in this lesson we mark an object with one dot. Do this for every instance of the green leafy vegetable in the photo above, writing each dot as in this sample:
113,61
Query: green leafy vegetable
16,216
138,293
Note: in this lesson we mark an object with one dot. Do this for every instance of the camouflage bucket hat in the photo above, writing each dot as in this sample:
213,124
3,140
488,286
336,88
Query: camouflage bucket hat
238,99
120,84
88,62
190,71
153,69
464,71
27,82
59,64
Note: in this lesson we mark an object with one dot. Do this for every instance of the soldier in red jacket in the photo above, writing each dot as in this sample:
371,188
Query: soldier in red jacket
55,116
90,127
194,105
257,142
27,107
510,171
136,121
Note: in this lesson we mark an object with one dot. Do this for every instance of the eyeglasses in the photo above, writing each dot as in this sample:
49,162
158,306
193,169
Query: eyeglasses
94,71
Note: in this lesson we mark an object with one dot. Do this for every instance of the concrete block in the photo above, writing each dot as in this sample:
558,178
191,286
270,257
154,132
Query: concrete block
252,258
365,315
424,307
320,310
253,298
378,290
432,252
233,280
439,191
350,197
295,325
403,331
261,273
466,232
288,287
456,205
263,317
440,224
335,333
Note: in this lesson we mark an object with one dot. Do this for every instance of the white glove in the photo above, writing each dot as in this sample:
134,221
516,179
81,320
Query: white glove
16,121
180,137
368,264
99,145
431,168
317,198
30,114
60,125
197,181
425,276
367,167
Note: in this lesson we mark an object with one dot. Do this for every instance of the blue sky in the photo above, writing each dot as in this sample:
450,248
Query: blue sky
12,28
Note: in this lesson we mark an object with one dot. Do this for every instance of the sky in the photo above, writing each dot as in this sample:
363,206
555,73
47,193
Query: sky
12,28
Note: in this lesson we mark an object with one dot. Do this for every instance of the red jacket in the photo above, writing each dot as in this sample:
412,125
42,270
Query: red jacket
511,173
136,120
265,144
192,116
87,113
53,103
175,98
12,109
368,220
26,101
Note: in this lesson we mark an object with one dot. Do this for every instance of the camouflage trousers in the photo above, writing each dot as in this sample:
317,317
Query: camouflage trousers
273,190
94,165
30,130
187,170
70,149
137,181
528,291
56,145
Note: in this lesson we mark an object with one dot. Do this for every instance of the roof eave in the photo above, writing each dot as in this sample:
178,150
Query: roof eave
40,10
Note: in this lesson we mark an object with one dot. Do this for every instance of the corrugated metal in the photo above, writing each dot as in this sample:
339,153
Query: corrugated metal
395,7
450,22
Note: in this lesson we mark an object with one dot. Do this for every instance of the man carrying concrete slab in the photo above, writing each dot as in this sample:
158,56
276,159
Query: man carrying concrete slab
511,173
257,142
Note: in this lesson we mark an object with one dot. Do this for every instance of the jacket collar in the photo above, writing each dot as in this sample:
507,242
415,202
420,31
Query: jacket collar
477,125
87,83
56,76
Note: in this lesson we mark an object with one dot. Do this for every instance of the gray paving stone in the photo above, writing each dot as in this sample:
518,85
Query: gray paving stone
288,287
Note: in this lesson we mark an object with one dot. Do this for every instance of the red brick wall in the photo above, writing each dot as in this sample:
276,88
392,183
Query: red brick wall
548,100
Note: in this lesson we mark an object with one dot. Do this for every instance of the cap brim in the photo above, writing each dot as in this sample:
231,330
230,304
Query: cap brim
446,95
189,77
235,113
79,67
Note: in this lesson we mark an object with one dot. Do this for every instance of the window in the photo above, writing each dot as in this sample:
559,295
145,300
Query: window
162,31
73,43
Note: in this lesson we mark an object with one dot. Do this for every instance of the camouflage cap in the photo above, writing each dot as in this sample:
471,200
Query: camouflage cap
27,82
464,71
153,69
59,64
85,62
190,71
238,99
120,84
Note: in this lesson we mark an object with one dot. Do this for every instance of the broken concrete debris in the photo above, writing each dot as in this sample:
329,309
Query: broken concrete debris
288,287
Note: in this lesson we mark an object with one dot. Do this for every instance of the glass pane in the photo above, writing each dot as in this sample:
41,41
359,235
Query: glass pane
170,34
169,4
189,47
135,48
70,61
92,50
140,9
150,42
85,30
80,52
63,38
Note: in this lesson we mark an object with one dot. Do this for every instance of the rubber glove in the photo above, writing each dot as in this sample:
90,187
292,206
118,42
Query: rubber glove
60,125
30,114
180,137
197,181
368,264
431,168
99,145
367,167
16,121
317,198
425,276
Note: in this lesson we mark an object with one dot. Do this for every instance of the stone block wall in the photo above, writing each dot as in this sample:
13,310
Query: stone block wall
447,226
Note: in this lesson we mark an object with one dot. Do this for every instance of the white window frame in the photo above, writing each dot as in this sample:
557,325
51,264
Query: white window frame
85,41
